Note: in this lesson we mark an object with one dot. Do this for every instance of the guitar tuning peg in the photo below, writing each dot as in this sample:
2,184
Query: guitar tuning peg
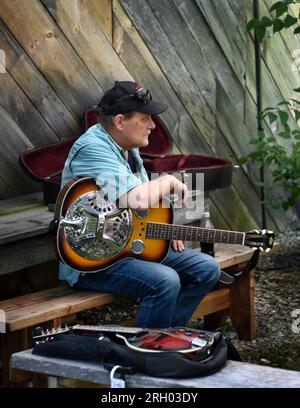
267,249
261,249
264,232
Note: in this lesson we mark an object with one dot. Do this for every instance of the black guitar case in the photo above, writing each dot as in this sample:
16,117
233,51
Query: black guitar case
164,364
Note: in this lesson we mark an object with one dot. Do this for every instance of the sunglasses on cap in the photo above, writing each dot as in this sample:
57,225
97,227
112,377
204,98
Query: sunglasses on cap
140,93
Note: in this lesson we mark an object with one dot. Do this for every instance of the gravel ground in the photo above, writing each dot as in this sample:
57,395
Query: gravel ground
277,297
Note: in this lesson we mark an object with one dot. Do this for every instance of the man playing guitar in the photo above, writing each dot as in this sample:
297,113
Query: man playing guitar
169,291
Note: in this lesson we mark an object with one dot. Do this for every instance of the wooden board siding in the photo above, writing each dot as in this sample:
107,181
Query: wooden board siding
195,55
37,89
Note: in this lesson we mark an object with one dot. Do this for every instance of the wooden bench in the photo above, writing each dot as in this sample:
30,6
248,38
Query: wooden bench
24,243
233,375
59,305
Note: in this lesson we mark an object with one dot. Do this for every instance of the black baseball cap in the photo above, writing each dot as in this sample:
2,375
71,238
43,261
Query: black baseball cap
127,96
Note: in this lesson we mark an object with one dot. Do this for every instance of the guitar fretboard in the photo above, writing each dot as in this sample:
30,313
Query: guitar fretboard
188,233
108,328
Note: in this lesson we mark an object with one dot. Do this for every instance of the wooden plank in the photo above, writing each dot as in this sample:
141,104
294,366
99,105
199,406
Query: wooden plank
199,30
136,56
46,45
79,25
14,143
101,10
5,188
22,203
192,56
35,298
240,219
246,189
242,298
37,89
235,374
25,224
18,255
229,255
229,31
174,67
20,108
213,302
55,308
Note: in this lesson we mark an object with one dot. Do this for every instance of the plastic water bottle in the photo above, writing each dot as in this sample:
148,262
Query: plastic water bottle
207,247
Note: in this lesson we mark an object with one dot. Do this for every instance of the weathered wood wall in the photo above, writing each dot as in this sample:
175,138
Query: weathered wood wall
60,55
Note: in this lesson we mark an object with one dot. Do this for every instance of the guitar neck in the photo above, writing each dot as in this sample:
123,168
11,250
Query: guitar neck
188,233
107,328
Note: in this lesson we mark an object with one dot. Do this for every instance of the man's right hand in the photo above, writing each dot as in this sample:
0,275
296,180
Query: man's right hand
148,194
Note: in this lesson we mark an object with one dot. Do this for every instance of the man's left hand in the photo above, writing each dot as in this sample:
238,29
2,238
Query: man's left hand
177,245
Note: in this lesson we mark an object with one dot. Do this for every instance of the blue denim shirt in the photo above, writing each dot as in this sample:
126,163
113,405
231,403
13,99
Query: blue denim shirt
96,154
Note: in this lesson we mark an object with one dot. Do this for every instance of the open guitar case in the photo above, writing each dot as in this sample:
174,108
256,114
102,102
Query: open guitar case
45,164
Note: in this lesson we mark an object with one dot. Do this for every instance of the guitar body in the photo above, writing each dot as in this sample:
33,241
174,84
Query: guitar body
153,250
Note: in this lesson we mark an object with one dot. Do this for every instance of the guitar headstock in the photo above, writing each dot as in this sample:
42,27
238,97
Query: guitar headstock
41,335
262,239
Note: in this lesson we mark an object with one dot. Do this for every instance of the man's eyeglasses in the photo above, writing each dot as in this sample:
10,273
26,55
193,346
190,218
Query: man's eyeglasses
142,94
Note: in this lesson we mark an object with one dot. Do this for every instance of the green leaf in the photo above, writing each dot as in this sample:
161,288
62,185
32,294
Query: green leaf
272,117
297,30
260,184
260,32
281,9
283,103
284,117
261,134
243,160
266,21
254,141
297,137
297,115
251,24
276,5
296,90
285,135
278,25
289,21
285,205
269,108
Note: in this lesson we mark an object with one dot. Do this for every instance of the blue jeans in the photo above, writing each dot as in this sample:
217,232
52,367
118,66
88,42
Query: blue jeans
169,292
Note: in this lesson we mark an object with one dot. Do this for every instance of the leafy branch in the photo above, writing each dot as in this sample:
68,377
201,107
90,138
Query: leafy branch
281,20
283,162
